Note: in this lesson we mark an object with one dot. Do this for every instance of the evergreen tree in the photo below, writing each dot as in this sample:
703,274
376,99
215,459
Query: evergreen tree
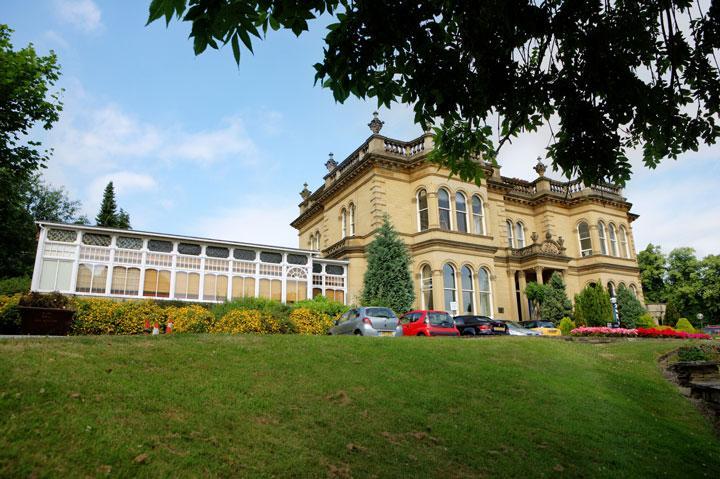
556,305
593,307
108,209
388,281
123,219
672,315
535,293
629,307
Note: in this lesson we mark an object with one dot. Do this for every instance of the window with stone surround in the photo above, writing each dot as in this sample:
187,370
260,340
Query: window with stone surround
444,209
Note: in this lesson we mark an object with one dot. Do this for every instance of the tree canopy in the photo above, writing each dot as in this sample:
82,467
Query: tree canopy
109,216
614,76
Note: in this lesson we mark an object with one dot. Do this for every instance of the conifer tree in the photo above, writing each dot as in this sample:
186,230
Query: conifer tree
556,305
108,209
629,307
593,307
123,219
388,281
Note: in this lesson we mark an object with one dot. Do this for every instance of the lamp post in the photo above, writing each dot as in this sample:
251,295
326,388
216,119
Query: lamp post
700,318
616,320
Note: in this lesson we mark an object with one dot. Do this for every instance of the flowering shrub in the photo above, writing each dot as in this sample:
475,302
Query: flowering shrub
605,332
241,321
9,314
190,319
307,321
669,333
105,316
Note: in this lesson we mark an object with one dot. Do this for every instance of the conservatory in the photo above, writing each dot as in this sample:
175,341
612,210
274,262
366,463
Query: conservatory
96,261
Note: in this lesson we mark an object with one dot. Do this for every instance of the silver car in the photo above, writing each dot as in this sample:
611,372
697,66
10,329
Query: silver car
368,321
514,329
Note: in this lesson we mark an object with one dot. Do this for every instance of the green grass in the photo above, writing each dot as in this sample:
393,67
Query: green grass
340,406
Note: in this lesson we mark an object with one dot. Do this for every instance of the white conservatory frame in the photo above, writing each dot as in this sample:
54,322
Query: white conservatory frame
71,254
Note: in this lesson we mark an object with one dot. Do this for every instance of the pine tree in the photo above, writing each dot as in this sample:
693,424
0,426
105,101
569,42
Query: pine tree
556,304
629,307
123,219
388,281
593,307
108,209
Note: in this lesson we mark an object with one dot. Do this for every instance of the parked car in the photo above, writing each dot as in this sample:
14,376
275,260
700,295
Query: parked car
546,328
472,325
514,329
368,321
712,330
428,323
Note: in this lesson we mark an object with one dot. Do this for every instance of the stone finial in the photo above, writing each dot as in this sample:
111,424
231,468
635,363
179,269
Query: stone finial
305,193
331,164
376,124
548,235
534,237
540,167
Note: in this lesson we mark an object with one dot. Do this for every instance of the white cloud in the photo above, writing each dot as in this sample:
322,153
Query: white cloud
210,146
254,222
54,39
82,14
124,182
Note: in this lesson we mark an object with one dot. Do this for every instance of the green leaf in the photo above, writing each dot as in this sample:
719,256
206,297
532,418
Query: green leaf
235,49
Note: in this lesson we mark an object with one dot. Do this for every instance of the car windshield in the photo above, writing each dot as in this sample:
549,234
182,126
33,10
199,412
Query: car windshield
439,318
545,324
513,324
380,313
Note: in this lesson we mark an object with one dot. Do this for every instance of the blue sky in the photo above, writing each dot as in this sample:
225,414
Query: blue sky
197,146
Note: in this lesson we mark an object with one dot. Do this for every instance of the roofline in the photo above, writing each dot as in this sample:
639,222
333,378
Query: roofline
312,253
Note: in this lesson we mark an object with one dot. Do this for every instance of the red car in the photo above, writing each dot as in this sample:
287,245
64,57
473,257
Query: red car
428,323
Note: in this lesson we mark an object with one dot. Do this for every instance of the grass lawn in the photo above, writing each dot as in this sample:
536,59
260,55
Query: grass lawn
189,406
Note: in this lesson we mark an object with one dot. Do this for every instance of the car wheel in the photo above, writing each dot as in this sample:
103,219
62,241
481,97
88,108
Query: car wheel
468,332
358,332
419,334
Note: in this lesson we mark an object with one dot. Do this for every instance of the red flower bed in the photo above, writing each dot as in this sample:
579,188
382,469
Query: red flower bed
669,333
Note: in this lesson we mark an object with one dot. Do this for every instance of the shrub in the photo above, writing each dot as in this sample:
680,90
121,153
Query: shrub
18,284
105,316
130,315
684,325
190,319
630,309
320,304
9,314
307,321
242,321
645,321
42,300
566,325
693,353
592,306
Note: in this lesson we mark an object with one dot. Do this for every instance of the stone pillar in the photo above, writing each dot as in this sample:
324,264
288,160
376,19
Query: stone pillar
523,298
538,273
438,291
513,310
433,216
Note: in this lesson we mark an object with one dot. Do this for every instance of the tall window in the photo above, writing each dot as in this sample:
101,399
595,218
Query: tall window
611,289
468,291
461,212
520,235
426,287
624,250
352,219
55,274
478,217
187,285
91,278
242,287
603,240
422,205
215,287
157,283
444,208
633,290
584,237
125,281
613,241
485,292
510,235
343,222
449,285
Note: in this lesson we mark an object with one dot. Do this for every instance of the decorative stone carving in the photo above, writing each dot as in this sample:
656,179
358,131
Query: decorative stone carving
331,164
376,124
305,193
540,168
549,247
534,237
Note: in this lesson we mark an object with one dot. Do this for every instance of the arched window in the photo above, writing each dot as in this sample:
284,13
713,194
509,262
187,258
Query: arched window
352,219
461,212
343,223
468,290
444,208
511,241
624,250
426,287
611,289
603,239
633,290
478,216
317,240
449,286
422,205
485,292
613,241
520,235
584,237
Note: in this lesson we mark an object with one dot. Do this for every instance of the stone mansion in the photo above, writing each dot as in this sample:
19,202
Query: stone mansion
474,248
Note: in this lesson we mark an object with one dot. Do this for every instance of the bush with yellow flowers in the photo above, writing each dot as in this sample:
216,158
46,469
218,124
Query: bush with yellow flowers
242,321
190,319
307,321
105,316
9,314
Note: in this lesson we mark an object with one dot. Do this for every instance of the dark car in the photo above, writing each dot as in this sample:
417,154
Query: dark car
472,325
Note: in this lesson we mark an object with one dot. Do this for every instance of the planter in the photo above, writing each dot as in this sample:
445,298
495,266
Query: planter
45,321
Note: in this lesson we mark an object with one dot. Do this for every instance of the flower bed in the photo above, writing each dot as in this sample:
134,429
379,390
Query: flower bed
669,333
605,332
